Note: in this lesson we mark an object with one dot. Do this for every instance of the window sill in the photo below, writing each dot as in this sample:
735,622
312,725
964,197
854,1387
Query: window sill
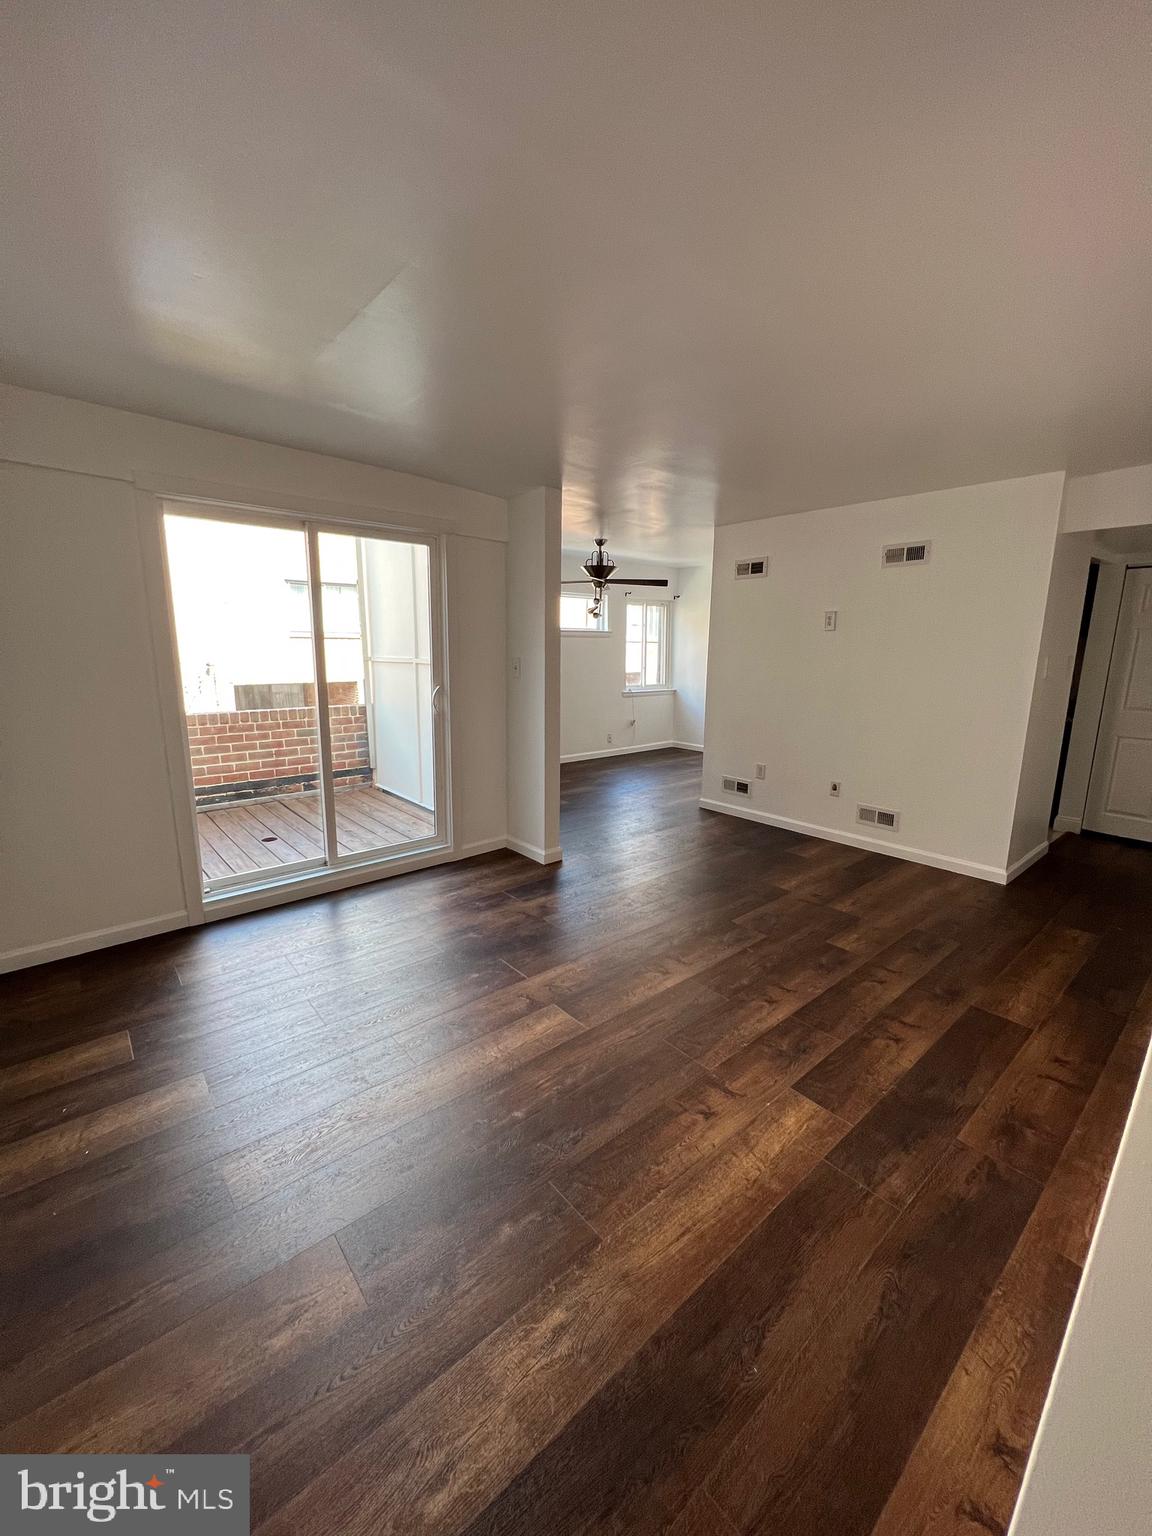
628,692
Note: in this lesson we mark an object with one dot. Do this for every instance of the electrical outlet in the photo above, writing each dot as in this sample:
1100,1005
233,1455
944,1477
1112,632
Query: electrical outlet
761,770
834,788
830,618
609,738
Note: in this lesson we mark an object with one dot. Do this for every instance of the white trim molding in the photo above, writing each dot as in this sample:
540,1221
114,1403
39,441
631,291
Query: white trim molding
689,746
322,881
530,851
1025,862
486,845
84,943
318,883
1067,824
650,746
989,872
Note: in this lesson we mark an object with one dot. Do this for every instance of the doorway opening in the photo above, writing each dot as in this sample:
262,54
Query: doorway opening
310,664
1119,800
1074,690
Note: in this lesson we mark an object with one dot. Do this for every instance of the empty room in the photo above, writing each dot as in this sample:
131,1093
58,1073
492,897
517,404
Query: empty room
575,768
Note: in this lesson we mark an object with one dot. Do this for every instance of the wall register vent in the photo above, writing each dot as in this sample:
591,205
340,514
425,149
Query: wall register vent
906,554
873,816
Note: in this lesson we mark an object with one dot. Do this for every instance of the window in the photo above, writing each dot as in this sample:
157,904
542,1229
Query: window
646,645
574,615
341,609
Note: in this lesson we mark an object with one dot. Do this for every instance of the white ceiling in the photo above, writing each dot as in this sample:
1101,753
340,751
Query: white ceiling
700,262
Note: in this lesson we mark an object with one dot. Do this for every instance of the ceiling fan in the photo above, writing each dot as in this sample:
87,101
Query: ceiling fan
599,566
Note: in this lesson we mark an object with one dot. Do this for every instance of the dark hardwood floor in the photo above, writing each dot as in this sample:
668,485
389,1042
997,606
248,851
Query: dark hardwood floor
718,1180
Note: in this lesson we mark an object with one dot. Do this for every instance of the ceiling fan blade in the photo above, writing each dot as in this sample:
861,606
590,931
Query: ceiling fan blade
576,582
637,581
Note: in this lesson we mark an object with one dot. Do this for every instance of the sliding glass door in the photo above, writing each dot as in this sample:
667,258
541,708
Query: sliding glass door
310,662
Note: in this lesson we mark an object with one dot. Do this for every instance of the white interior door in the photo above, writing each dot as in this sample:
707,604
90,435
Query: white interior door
398,644
1120,790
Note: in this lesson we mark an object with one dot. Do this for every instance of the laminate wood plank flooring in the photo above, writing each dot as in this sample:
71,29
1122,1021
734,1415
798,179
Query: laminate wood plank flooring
717,1179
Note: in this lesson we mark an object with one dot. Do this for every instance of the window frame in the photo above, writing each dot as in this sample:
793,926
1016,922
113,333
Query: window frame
664,606
602,625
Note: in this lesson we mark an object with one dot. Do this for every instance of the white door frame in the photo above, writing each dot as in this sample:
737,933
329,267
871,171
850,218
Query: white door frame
344,869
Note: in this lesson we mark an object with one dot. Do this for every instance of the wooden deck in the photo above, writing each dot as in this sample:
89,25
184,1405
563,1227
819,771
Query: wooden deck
264,834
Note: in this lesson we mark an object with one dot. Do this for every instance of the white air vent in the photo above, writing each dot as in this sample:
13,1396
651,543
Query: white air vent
756,566
872,816
735,786
906,554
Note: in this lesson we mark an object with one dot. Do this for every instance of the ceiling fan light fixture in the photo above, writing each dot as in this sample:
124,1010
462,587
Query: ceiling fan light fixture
598,570
599,564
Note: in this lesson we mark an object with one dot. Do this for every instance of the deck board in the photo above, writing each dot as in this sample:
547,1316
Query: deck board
270,834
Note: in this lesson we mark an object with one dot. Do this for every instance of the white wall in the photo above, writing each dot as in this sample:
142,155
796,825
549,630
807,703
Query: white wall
476,628
1118,498
36,428
87,836
1089,1472
593,703
919,701
533,654
690,653
88,841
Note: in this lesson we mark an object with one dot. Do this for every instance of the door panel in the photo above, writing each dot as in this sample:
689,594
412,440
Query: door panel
399,651
240,605
1130,788
1120,791
378,662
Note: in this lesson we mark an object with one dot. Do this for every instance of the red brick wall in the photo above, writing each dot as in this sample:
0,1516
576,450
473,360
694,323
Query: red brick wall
246,753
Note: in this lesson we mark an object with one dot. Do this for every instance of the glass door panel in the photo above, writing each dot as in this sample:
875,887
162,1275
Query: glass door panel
378,659
242,613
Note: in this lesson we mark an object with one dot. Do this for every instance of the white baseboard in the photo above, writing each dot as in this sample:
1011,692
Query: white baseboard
325,882
989,872
531,851
486,845
1067,824
586,757
1026,862
84,943
689,746
328,881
